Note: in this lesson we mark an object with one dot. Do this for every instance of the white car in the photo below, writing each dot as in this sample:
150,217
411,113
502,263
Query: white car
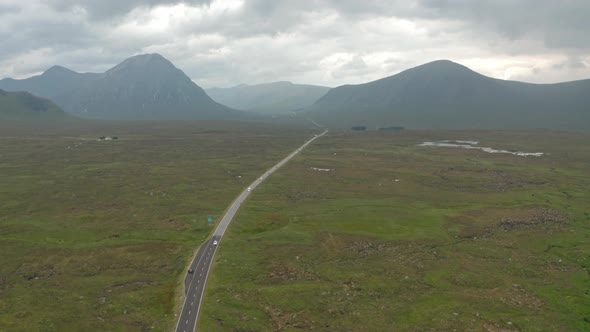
215,242
249,188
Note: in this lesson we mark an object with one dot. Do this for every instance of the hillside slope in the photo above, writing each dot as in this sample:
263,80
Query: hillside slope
443,94
143,87
25,106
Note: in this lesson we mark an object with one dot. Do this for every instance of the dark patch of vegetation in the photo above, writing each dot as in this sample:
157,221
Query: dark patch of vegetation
25,106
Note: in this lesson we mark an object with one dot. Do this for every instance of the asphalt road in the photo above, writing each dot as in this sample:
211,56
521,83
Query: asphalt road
198,271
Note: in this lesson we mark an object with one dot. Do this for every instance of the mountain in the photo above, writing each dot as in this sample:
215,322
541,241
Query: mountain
25,106
273,98
53,82
143,87
444,94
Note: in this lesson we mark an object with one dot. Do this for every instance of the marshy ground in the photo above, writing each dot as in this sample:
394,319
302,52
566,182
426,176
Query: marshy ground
362,231
96,235
398,237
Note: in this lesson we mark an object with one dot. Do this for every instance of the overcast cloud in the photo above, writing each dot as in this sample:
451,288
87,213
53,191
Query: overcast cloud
325,42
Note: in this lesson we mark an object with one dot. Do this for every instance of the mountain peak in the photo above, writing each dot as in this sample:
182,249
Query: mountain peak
443,62
281,84
142,62
58,70
439,69
146,59
443,66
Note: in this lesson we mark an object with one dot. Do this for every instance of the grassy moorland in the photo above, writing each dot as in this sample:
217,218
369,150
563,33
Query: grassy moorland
95,235
397,237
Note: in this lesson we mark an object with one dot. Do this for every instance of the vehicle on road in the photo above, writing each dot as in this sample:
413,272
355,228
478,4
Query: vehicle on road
191,271
215,242
249,188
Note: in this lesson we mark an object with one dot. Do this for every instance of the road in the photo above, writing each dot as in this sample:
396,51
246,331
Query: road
198,271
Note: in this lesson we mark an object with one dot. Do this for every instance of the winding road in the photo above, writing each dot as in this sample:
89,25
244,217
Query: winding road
198,271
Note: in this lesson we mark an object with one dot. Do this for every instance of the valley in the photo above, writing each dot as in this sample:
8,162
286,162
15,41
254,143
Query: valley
311,165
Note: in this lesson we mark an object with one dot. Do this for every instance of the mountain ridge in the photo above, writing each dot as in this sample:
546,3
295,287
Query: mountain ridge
142,87
440,94
446,95
45,85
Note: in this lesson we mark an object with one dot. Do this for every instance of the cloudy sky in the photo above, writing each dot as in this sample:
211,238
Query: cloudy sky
326,42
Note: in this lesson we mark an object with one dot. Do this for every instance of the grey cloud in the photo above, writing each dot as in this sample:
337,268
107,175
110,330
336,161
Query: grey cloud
573,69
559,25
103,9
572,63
264,17
30,31
355,67
563,24
568,38
268,40
8,8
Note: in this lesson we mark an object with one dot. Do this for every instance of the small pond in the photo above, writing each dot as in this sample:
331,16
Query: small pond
472,145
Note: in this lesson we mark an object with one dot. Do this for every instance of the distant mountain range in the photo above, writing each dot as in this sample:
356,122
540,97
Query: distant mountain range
55,81
440,94
25,106
143,87
444,94
271,98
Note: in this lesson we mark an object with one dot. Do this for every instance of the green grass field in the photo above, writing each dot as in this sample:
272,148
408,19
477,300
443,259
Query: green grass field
95,236
463,241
